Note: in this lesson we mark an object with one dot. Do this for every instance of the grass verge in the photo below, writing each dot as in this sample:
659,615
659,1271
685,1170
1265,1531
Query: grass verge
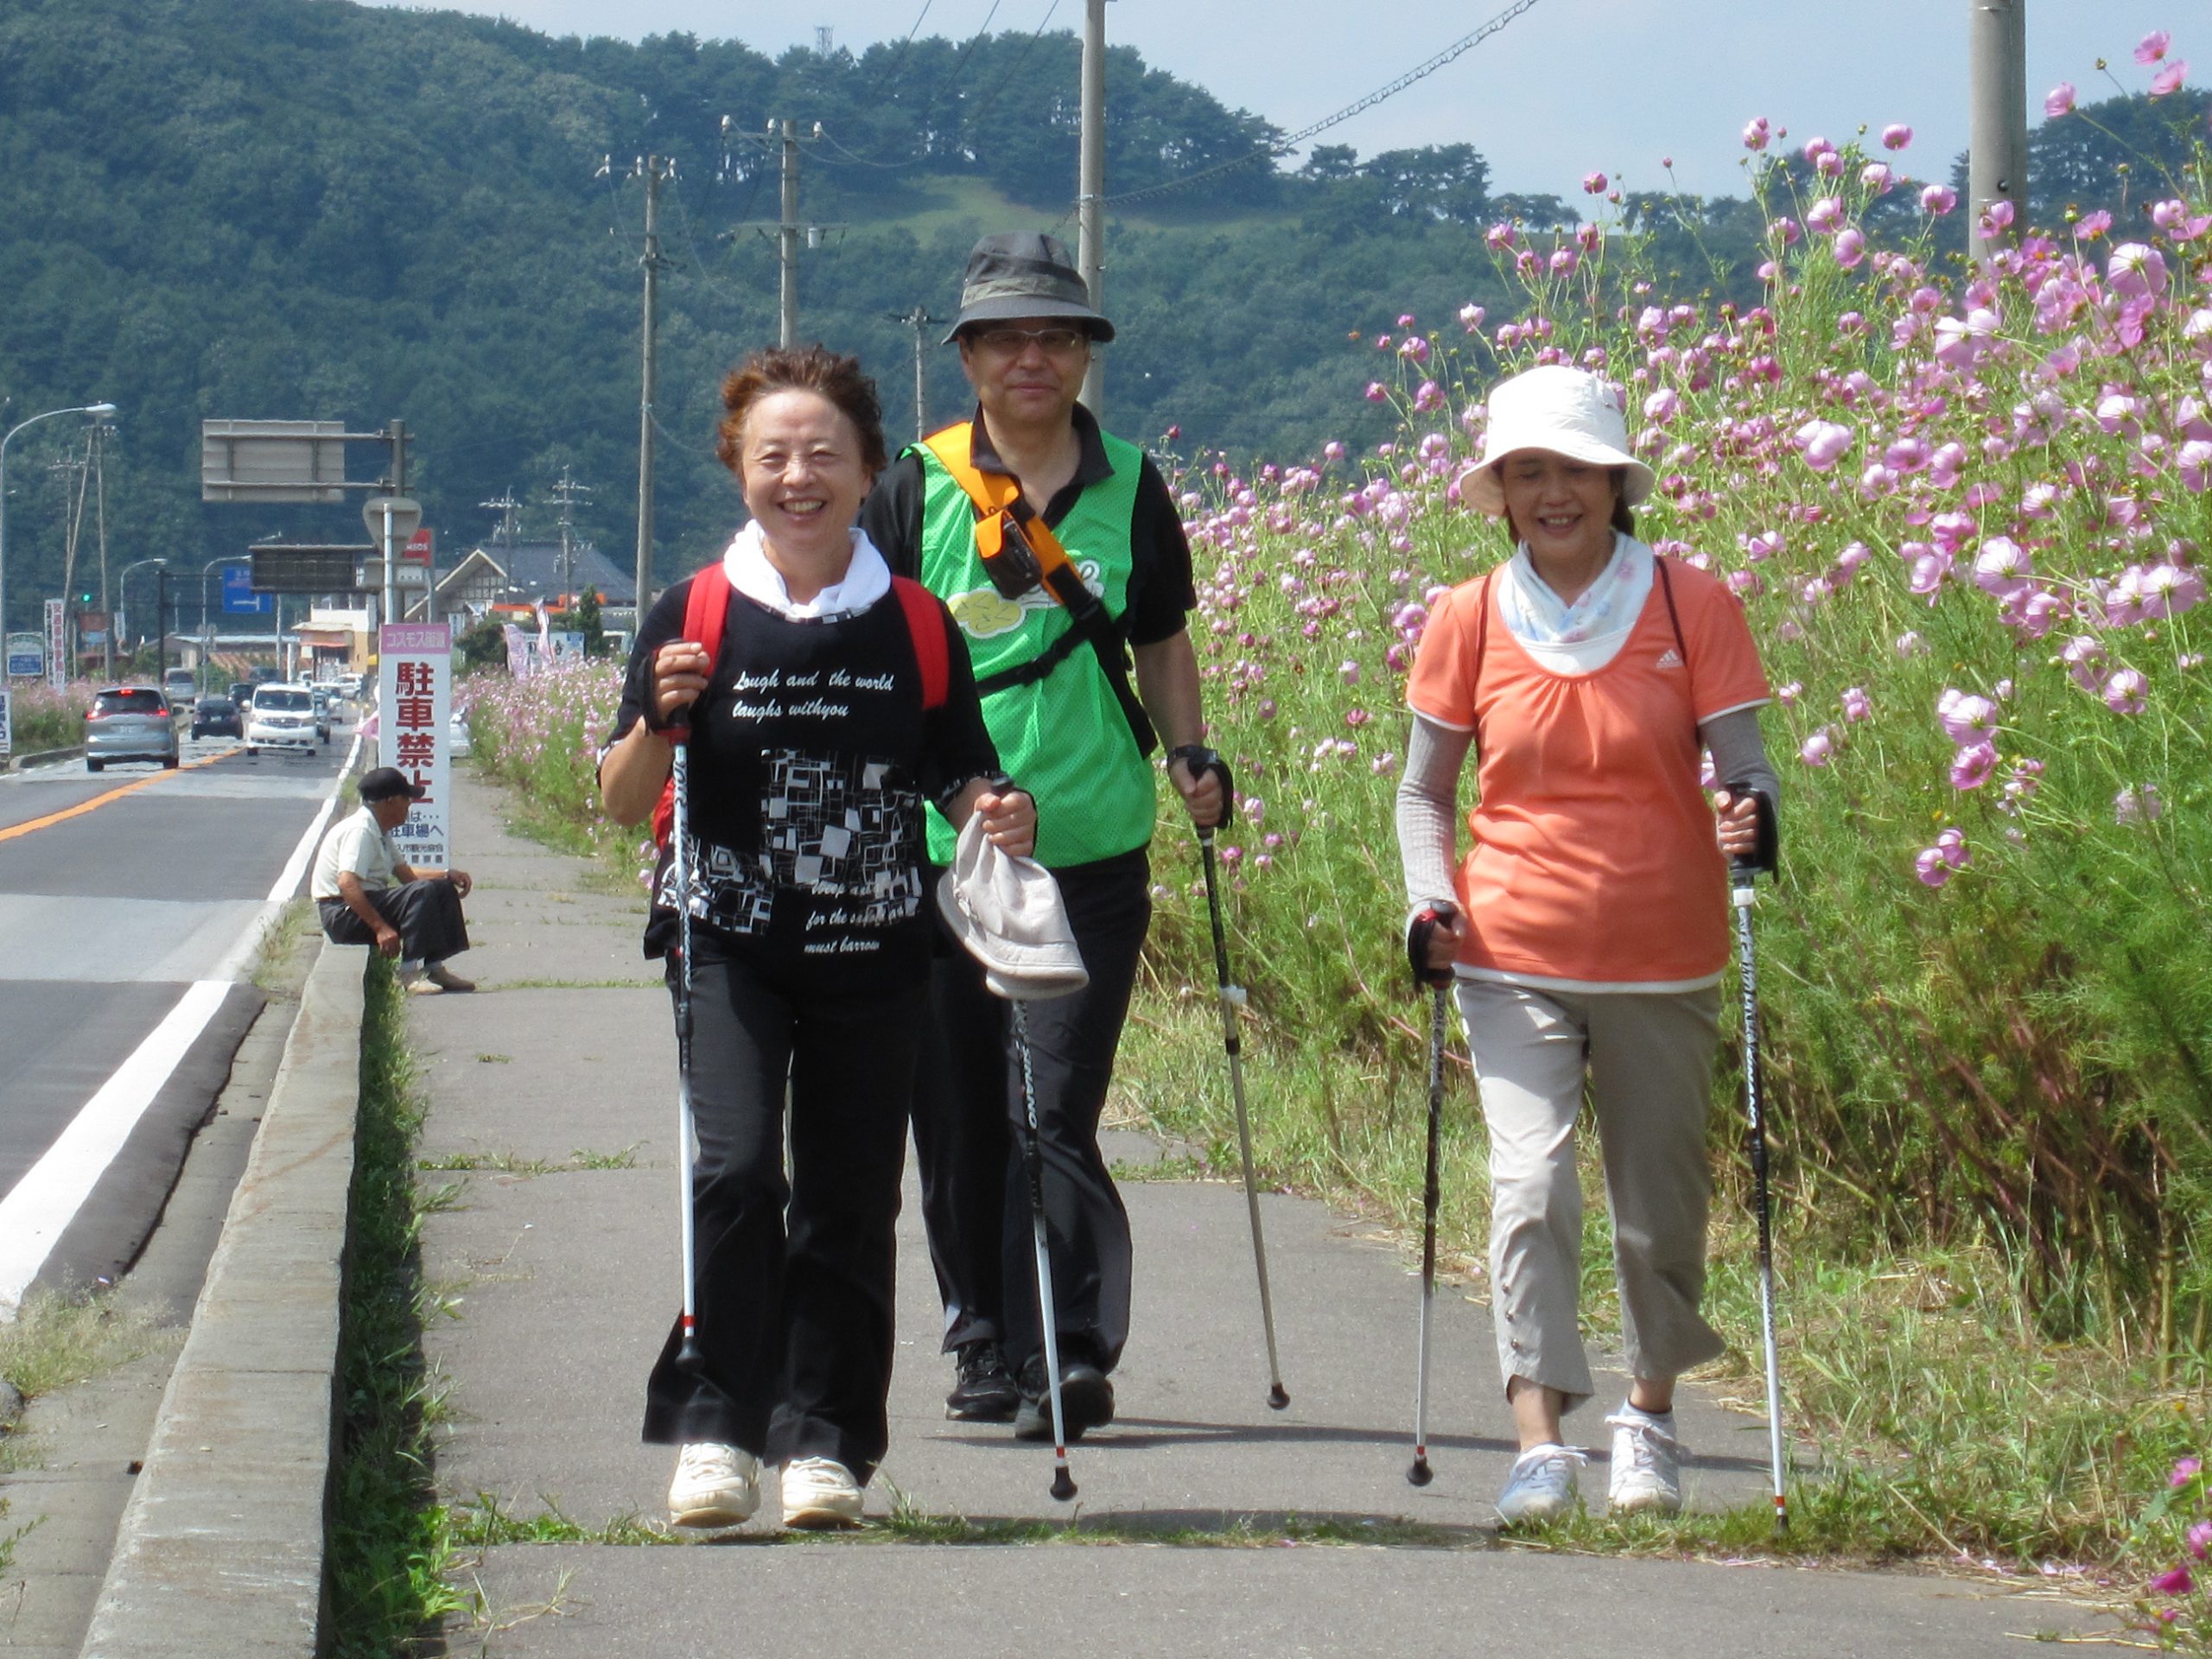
390,1542
1932,1418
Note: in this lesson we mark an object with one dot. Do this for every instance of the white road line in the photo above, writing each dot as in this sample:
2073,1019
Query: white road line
42,1205
39,1208
240,956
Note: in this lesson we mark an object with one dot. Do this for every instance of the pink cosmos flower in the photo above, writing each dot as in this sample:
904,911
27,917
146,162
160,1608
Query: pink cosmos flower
2186,1469
1818,749
2124,692
1938,199
2199,1541
2136,270
1910,644
1332,450
1471,317
1414,347
1877,177
1349,673
1500,236
1826,215
2003,568
2195,462
1377,392
2168,80
1971,766
1594,183
2153,47
2059,100
1563,262
1823,444
1951,847
1966,720
1757,133
1930,868
1857,705
1662,405
1896,135
2092,225
2176,1583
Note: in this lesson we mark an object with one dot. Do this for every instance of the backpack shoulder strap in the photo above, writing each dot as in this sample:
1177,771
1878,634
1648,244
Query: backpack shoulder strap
1675,621
706,610
923,622
1482,650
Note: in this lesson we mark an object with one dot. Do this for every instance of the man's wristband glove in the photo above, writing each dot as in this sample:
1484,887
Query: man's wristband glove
1201,760
1418,932
1766,857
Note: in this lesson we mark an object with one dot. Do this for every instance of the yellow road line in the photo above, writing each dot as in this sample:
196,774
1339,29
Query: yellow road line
83,807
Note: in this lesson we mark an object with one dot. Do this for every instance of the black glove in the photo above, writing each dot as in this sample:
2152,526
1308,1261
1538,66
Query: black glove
1201,760
1418,934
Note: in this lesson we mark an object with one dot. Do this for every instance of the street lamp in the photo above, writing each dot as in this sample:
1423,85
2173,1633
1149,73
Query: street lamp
98,412
122,589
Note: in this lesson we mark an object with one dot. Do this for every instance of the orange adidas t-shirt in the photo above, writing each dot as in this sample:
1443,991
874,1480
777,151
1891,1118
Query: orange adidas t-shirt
1594,857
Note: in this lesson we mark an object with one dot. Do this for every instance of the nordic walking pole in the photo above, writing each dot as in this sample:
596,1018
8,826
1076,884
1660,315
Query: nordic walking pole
1438,984
1233,997
687,1353
1742,872
1032,1157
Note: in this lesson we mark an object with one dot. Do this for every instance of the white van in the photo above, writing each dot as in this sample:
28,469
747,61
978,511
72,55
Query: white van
282,717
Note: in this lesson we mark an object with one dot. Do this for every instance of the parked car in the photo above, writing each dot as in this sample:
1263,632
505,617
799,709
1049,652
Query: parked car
281,717
323,698
180,686
216,715
130,723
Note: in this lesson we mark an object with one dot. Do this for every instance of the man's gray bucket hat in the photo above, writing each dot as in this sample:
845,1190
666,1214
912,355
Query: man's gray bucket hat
1022,273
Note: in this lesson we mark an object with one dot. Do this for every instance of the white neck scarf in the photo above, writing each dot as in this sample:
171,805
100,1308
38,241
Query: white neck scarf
1587,634
866,579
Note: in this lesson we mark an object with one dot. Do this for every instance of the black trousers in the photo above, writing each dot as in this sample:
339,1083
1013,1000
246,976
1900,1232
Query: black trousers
795,1277
969,1124
426,914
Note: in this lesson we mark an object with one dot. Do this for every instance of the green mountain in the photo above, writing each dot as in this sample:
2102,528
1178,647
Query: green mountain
312,209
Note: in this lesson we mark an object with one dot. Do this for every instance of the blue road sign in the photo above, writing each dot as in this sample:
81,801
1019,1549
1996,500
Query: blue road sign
239,597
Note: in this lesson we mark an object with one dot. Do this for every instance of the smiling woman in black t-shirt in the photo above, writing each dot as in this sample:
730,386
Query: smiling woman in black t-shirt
813,747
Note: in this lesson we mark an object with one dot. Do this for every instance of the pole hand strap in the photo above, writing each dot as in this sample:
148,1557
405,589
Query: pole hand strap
1419,933
1766,858
1201,760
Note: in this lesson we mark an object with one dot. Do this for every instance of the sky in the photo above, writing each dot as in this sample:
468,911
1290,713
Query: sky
1569,87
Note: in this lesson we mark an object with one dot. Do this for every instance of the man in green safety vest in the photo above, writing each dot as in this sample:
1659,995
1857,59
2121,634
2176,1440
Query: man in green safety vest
1058,550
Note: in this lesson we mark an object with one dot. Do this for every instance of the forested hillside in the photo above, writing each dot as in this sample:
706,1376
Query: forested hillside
306,208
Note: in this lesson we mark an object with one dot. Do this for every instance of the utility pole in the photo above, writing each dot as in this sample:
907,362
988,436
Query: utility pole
656,169
396,434
80,471
918,320
1997,165
787,233
508,530
1090,183
567,493
99,510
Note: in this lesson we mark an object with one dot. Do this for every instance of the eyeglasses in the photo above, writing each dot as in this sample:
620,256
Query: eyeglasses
1009,342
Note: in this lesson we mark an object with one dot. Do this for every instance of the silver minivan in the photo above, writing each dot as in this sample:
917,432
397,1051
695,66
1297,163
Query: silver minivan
130,723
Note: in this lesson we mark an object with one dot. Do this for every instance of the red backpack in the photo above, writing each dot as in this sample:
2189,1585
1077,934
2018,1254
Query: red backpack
706,610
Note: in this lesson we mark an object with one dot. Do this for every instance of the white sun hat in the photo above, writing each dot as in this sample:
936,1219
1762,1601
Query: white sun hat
1568,411
1007,911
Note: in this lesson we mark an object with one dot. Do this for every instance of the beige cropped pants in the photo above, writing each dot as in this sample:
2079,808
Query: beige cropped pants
1649,1060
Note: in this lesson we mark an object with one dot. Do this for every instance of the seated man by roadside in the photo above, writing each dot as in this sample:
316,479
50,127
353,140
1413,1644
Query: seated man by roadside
367,894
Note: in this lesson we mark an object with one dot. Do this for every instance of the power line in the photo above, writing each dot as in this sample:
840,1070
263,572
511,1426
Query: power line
1283,146
854,158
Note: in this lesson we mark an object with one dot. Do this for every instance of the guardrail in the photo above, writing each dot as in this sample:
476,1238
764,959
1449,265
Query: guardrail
221,1551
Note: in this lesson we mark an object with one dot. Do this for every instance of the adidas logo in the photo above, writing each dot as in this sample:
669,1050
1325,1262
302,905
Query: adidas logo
1670,658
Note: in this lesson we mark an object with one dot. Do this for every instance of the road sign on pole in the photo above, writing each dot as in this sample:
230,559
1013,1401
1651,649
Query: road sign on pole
26,655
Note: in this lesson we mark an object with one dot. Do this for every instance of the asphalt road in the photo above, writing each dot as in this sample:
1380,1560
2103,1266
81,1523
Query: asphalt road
128,901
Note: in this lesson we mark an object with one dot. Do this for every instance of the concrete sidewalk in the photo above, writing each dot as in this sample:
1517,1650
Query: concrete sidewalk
553,1089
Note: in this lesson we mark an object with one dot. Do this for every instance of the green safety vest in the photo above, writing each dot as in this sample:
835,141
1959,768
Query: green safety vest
1063,738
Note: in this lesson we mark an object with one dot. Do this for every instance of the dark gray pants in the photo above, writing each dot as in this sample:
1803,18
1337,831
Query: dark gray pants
426,914
969,1125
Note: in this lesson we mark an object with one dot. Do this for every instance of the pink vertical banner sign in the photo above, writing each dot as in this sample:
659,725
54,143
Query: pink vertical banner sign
414,699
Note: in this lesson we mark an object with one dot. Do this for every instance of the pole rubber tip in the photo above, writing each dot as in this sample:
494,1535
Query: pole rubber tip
1419,1474
1278,1398
1062,1484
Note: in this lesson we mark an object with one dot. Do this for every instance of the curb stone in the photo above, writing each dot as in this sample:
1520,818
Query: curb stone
221,1553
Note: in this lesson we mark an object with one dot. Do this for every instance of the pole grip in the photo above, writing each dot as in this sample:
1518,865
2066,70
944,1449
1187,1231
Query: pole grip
1418,932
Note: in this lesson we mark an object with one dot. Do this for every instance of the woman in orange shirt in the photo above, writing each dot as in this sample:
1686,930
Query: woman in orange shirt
1586,924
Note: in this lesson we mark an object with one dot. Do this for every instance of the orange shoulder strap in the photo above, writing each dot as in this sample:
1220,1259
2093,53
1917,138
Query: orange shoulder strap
995,497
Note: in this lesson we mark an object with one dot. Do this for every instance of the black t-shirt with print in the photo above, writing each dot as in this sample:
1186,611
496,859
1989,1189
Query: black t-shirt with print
811,757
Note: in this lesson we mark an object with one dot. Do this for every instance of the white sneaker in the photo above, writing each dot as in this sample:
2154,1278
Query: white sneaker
1647,1463
820,1493
1542,1486
716,1485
